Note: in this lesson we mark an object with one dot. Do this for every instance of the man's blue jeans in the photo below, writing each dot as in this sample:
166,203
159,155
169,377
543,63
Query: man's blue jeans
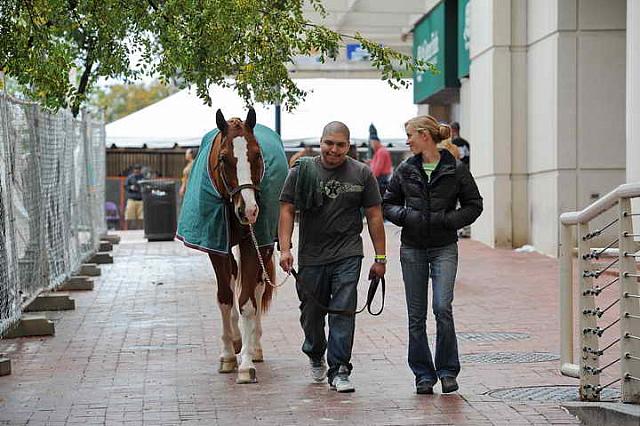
335,286
441,263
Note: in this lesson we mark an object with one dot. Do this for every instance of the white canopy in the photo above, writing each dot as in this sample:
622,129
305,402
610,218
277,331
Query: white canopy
183,119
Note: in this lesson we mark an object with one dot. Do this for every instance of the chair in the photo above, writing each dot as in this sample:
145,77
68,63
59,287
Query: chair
111,214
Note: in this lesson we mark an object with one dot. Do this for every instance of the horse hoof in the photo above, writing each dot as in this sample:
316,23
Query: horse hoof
258,356
247,375
227,365
237,346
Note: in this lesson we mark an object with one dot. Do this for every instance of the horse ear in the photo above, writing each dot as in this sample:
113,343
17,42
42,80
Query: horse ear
250,122
221,122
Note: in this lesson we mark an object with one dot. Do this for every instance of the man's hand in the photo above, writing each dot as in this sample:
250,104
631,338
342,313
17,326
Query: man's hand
377,270
286,260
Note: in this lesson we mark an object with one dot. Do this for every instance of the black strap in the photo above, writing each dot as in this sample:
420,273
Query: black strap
371,293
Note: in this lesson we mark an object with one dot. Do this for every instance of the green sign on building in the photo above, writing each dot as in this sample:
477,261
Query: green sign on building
464,32
434,41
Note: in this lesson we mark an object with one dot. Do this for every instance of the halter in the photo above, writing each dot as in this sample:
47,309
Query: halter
231,192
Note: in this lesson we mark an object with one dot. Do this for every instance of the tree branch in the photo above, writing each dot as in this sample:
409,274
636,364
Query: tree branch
84,81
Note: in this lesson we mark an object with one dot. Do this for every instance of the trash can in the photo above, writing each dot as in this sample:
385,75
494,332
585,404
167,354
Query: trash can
159,205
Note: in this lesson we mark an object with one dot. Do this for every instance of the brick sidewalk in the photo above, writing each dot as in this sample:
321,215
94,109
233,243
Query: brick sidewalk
143,347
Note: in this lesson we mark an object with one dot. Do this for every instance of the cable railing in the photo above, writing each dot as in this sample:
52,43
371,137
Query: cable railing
608,295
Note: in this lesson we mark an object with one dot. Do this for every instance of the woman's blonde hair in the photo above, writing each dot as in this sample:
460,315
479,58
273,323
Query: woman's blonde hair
440,133
426,123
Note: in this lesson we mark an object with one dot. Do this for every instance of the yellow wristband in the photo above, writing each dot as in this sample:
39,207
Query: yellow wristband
380,256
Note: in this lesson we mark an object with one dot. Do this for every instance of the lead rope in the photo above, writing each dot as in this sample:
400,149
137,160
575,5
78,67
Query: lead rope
265,276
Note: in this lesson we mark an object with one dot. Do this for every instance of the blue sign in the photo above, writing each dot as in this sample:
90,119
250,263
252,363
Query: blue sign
356,53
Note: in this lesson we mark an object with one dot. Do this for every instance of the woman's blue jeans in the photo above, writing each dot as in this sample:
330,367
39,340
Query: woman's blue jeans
335,286
441,263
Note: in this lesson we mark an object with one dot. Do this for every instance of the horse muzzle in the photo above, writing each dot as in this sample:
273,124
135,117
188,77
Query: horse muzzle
247,215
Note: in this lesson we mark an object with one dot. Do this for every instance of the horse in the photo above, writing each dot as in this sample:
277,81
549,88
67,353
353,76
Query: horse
247,177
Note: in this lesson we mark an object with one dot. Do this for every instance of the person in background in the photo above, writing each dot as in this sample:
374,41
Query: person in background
381,164
306,151
422,198
461,143
189,156
465,157
133,211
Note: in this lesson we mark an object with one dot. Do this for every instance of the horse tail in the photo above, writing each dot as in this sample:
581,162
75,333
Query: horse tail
269,289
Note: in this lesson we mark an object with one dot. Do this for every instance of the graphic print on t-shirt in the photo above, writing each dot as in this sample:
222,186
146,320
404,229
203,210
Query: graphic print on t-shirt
334,188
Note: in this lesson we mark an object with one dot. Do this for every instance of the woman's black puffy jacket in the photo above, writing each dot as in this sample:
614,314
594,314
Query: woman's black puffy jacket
426,208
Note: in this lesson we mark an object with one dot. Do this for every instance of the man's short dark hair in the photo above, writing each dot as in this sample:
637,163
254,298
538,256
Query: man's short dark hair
336,127
455,125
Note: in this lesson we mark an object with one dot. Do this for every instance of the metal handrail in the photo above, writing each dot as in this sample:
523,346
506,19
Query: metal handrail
627,190
588,368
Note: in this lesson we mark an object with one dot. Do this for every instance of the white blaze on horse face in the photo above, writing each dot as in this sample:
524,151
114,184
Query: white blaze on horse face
241,152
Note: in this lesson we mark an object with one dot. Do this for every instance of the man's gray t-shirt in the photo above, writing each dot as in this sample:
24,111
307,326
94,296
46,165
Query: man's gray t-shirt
332,232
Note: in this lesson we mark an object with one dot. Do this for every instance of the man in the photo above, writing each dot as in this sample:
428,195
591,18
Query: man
461,143
381,164
330,248
133,211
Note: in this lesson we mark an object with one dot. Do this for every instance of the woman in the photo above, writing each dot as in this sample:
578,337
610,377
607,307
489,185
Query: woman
421,198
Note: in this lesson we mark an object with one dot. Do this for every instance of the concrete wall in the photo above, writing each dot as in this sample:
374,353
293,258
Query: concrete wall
547,112
490,112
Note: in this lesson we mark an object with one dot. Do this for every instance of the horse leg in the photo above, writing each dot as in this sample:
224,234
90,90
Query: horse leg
258,356
235,314
236,335
263,294
247,370
226,280
248,312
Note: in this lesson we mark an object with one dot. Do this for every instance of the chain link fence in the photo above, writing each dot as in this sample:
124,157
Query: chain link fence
52,185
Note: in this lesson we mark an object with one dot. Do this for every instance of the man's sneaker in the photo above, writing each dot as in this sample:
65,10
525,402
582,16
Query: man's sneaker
449,384
424,387
318,370
341,382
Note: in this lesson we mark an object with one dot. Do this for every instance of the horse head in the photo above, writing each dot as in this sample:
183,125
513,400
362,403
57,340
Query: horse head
240,165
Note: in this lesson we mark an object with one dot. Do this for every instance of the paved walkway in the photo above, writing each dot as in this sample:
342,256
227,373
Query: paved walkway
143,348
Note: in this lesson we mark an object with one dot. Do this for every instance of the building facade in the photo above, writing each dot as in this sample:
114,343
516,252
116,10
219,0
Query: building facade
550,106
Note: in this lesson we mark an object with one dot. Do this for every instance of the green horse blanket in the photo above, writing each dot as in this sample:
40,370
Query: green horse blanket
204,221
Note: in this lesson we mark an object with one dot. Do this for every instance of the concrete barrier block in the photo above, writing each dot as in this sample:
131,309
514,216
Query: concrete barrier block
77,283
31,325
5,366
51,302
101,258
105,246
113,239
90,270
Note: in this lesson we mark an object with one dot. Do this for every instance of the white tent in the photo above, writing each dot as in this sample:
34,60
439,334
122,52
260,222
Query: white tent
183,119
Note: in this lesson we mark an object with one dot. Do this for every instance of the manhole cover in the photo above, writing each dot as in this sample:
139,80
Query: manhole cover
548,393
491,336
507,357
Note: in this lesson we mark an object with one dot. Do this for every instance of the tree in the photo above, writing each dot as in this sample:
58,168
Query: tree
59,49
120,100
